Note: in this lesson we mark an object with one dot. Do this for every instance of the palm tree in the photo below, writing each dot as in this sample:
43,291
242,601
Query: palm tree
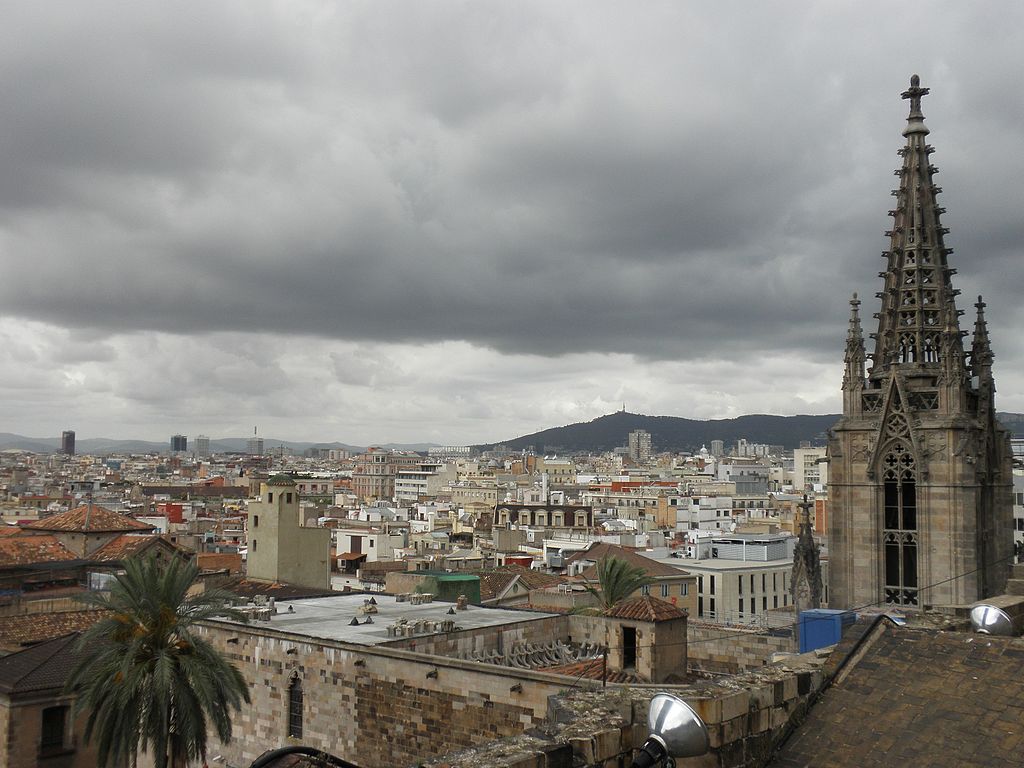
617,580
144,676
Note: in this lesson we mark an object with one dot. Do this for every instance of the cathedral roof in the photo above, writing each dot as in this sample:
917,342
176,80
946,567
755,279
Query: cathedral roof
938,698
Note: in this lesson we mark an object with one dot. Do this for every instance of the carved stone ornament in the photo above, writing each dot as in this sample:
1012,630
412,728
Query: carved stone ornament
861,448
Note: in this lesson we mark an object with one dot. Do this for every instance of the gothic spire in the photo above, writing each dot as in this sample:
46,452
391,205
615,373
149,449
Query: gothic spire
854,345
918,301
981,350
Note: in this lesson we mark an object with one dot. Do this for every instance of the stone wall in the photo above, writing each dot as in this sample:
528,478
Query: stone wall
375,706
716,648
21,730
747,717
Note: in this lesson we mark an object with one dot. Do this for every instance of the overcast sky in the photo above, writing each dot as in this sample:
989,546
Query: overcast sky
462,222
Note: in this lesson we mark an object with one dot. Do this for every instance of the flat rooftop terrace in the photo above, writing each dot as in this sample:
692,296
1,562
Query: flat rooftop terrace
329,618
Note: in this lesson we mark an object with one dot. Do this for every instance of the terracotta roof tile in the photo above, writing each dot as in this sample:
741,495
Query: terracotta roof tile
493,583
592,669
645,608
129,545
91,518
602,551
31,550
28,629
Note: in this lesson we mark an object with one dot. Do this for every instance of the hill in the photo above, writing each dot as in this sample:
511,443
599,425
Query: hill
673,433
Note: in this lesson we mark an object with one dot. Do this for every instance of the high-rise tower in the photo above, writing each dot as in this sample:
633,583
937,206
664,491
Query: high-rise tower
920,470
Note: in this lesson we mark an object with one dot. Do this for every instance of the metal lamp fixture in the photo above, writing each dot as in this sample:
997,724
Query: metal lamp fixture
989,620
676,731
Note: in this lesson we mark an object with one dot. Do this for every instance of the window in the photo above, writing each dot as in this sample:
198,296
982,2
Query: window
740,579
764,603
254,545
684,590
751,583
741,606
664,590
270,496
645,589
899,535
255,521
712,587
295,709
764,582
54,720
288,498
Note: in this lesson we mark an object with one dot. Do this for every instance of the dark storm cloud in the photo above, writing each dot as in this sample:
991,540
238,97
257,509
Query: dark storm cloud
671,182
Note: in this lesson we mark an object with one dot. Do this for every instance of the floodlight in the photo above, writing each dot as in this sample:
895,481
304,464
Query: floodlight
989,620
676,731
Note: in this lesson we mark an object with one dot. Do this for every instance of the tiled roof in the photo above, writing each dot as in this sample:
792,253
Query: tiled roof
10,530
31,550
602,551
28,629
281,479
592,669
920,696
645,608
88,518
131,545
493,583
532,579
41,667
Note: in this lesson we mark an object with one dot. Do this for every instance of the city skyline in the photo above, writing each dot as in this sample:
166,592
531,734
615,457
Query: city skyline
457,224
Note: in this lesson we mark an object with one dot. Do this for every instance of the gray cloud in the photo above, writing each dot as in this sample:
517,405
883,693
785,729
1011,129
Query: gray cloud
677,183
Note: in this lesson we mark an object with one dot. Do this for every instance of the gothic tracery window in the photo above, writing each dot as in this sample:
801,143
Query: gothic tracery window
899,535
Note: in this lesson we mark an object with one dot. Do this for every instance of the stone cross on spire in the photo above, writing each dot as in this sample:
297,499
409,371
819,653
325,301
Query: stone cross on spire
914,93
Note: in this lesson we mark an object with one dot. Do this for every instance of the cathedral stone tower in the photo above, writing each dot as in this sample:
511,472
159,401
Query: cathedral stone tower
920,470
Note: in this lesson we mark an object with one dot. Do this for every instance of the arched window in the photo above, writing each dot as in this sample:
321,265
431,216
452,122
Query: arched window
295,709
899,534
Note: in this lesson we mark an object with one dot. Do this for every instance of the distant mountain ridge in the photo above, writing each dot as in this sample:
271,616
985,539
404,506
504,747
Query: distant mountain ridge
673,433
605,433
99,446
